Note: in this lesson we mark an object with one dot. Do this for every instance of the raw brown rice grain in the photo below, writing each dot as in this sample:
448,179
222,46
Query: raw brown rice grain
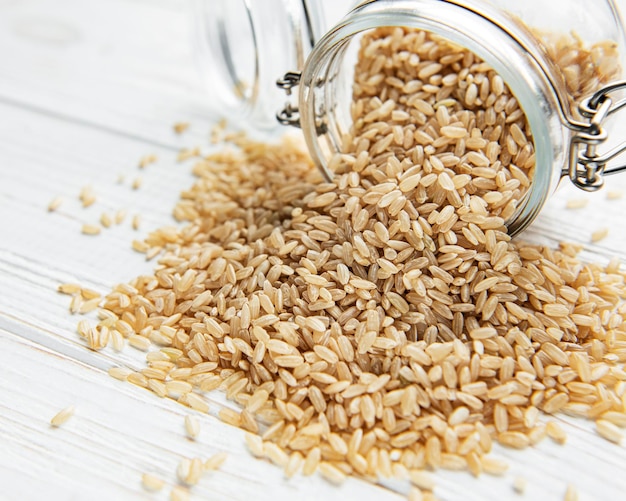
120,373
90,229
519,485
180,127
87,196
120,215
422,479
609,431
576,203
216,461
230,416
69,289
179,493
187,153
571,493
331,473
255,444
196,402
61,417
493,466
54,204
617,418
614,194
147,160
275,454
192,426
151,482
312,461
139,342
514,439
555,432
415,494
105,220
599,234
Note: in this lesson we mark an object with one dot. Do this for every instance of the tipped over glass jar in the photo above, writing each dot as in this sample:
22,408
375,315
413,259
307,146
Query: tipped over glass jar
514,95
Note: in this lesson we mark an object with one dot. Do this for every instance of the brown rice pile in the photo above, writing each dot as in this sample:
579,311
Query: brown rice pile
384,323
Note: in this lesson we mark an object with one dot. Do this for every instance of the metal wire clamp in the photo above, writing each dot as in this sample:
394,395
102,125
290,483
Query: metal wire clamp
290,114
587,168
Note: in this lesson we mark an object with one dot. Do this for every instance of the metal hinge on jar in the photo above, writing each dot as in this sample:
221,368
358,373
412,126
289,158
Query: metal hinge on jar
290,114
587,168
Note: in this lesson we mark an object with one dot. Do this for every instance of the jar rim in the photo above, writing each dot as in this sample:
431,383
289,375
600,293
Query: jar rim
525,74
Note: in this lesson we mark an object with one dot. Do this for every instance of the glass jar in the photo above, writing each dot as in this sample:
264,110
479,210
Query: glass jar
243,46
519,40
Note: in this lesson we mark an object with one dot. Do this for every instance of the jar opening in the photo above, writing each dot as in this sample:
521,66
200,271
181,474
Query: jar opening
524,107
438,109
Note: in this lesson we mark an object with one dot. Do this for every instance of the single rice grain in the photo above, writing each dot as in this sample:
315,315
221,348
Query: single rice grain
571,493
599,234
192,426
152,482
91,229
61,417
54,204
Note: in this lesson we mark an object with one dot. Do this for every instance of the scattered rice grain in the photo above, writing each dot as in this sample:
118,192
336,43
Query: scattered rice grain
600,234
571,493
180,127
61,417
151,482
54,204
519,485
576,203
91,229
192,426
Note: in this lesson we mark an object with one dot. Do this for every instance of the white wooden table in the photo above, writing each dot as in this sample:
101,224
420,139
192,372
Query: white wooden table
88,87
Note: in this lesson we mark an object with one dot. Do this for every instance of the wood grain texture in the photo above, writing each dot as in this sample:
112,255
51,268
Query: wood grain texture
87,88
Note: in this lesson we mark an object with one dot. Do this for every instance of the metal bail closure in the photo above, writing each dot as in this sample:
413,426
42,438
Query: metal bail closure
290,114
587,168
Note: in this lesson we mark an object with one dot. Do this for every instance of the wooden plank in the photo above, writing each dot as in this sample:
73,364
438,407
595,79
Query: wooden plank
118,432
124,66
